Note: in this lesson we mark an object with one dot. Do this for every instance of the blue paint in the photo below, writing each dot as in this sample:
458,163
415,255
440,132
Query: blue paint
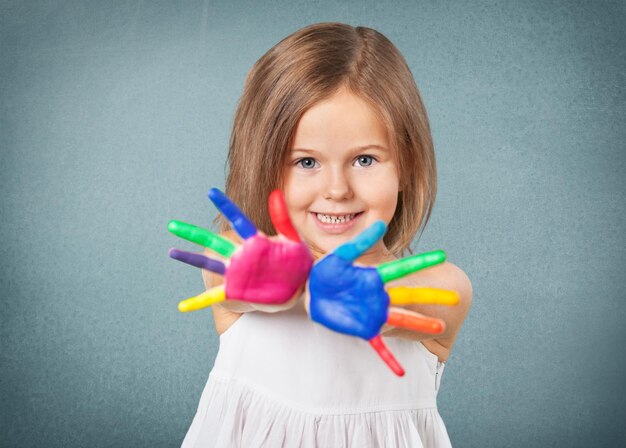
346,298
356,247
240,222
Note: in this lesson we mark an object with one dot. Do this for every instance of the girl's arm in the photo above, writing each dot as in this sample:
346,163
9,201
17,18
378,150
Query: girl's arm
442,276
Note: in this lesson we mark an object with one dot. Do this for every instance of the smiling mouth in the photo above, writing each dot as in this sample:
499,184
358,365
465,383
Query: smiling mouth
335,219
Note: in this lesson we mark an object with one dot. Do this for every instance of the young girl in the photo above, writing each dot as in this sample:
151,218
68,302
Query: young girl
331,115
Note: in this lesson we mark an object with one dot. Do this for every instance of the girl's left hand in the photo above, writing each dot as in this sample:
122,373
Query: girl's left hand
352,299
264,273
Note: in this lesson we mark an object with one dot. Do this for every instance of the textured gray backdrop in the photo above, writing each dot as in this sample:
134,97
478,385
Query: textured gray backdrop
115,118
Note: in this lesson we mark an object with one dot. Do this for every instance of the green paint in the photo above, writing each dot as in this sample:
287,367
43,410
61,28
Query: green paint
202,237
400,268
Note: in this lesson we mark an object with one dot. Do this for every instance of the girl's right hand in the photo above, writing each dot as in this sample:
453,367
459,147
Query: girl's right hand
352,299
267,273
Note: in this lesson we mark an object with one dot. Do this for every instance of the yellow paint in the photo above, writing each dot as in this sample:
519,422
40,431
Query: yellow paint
206,299
404,295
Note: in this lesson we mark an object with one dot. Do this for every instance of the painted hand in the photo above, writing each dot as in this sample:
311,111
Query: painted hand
262,271
352,299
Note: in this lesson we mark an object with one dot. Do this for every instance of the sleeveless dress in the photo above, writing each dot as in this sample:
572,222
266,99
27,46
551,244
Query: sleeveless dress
282,380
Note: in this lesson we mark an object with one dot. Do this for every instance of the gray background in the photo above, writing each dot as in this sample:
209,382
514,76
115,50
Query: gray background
115,118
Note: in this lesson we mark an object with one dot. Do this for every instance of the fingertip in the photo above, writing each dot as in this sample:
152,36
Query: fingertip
439,255
173,226
380,225
438,327
279,215
214,193
183,307
276,202
378,228
275,195
379,346
172,252
217,196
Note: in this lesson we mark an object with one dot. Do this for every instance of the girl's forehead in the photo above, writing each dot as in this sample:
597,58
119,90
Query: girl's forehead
344,119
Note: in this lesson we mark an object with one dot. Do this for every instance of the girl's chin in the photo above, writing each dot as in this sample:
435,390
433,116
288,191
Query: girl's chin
323,246
324,238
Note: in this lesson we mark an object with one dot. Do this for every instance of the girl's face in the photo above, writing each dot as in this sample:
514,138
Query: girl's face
340,175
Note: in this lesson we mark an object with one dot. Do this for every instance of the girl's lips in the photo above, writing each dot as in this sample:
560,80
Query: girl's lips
335,228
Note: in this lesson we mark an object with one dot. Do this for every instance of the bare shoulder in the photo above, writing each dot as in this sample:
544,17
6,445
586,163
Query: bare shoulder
443,276
451,277
447,276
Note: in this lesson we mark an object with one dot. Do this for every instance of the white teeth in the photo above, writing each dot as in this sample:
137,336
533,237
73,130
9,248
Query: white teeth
329,219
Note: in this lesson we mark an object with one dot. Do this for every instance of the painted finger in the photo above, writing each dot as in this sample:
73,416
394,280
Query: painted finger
404,295
206,299
280,216
198,260
203,237
416,322
357,246
240,222
400,268
377,343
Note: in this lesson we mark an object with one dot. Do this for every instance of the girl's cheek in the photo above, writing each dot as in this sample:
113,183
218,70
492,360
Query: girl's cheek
382,193
294,190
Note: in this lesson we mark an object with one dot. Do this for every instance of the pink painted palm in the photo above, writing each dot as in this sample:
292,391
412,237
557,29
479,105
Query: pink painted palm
268,272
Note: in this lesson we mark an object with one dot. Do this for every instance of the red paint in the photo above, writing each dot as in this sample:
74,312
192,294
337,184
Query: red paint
428,325
377,343
280,216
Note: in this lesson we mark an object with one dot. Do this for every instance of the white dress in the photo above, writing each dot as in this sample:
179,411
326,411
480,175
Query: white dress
282,380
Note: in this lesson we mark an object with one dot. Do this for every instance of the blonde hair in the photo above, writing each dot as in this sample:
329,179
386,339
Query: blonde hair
309,66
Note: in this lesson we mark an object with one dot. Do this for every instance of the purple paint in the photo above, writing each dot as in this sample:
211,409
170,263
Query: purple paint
198,260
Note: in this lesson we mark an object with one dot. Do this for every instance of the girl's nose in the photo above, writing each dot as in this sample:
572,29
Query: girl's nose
338,187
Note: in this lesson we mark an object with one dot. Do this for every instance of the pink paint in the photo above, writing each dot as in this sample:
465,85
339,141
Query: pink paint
267,271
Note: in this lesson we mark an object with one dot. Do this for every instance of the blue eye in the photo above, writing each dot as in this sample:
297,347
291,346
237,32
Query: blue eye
307,163
365,161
